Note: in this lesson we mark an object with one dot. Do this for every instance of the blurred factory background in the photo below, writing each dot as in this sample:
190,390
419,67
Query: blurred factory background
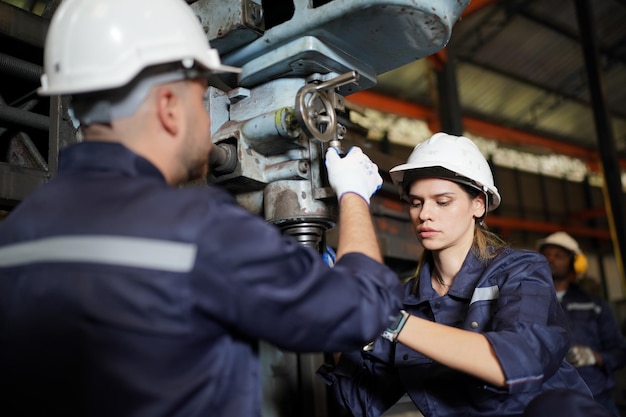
540,85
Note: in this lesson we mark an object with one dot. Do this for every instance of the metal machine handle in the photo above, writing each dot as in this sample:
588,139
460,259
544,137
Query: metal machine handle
315,109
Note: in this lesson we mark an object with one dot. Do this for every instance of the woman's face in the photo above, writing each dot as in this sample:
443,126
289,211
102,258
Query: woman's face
443,214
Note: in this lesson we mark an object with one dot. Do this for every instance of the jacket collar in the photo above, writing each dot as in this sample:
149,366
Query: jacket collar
463,286
106,156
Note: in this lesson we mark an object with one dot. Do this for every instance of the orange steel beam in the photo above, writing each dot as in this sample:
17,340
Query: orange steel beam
392,105
476,5
589,214
546,227
517,137
507,224
502,134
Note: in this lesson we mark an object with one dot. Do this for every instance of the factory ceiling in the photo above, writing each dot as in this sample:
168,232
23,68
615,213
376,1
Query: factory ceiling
521,65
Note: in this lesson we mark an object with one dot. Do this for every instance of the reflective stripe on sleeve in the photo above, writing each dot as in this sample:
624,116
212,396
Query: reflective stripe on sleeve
113,250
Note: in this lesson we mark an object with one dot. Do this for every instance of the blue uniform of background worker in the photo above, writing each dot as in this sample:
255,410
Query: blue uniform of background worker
123,294
483,333
597,348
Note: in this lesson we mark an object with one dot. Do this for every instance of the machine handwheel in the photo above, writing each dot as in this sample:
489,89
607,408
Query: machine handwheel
316,114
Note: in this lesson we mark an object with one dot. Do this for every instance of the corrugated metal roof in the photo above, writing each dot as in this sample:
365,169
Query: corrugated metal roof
521,64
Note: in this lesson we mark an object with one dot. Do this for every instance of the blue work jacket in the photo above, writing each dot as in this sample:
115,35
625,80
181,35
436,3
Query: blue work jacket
511,300
592,324
123,296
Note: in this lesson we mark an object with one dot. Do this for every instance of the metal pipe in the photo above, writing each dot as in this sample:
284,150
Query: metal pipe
17,118
19,68
28,106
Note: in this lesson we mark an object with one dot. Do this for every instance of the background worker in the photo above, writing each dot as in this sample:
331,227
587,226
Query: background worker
482,332
597,347
123,294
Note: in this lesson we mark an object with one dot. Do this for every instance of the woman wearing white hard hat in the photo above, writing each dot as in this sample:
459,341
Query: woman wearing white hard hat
481,332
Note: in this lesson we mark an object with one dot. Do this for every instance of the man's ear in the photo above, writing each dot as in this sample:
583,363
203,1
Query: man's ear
168,107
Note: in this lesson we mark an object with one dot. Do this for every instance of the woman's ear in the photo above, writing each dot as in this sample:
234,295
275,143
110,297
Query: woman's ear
480,209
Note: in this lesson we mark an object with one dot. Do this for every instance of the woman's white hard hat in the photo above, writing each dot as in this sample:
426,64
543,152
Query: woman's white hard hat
460,159
95,45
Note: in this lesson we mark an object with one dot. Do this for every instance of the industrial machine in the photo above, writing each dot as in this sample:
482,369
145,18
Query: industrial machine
299,59
273,122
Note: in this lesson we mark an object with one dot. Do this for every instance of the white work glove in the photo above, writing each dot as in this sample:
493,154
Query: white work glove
354,173
580,356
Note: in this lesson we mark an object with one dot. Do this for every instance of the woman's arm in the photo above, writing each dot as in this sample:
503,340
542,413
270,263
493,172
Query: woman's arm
458,349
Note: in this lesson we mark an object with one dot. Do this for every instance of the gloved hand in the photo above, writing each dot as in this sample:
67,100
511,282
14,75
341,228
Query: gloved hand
580,356
354,173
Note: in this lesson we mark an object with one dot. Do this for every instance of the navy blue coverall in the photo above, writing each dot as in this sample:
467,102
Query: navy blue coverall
123,296
593,325
512,301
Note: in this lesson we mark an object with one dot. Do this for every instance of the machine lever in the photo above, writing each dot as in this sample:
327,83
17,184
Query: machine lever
315,107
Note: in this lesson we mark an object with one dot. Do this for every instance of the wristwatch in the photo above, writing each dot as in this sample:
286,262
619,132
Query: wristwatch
392,332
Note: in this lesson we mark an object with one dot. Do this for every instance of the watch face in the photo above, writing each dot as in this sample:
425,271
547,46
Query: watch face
391,333
395,321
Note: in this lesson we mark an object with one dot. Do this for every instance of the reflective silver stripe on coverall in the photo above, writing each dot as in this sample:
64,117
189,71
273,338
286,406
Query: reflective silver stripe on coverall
114,250
485,294
584,307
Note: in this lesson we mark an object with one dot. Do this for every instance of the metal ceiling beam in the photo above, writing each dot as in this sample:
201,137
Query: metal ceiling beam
491,24
510,223
607,54
489,28
448,103
523,80
606,142
572,90
476,125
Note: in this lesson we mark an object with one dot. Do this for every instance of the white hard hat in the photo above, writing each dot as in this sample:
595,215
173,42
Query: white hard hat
95,45
460,159
561,239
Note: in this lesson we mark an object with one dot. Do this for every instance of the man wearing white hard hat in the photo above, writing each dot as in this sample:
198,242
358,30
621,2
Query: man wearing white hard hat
597,347
123,294
482,332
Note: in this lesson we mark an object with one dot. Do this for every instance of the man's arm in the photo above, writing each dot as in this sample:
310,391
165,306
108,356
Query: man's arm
354,178
356,229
